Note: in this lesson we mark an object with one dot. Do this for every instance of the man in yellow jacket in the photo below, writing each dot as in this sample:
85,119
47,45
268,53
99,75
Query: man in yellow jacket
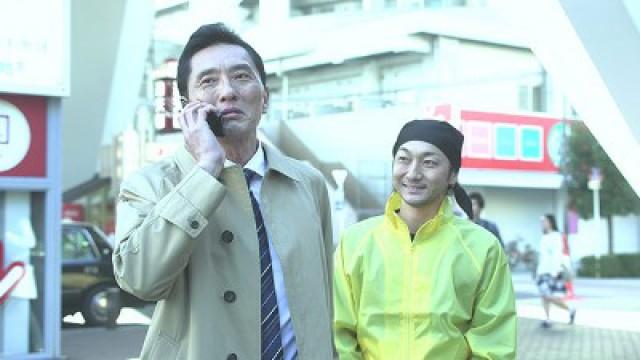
419,282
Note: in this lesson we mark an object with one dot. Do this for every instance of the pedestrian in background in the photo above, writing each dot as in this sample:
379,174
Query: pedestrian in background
229,235
419,282
552,271
478,203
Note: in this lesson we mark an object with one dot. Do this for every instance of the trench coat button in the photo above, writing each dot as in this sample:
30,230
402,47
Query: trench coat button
194,224
232,356
229,296
227,236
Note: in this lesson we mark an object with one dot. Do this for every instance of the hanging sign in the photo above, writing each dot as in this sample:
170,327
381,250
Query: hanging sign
22,135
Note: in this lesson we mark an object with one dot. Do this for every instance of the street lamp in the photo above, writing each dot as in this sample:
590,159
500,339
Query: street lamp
595,181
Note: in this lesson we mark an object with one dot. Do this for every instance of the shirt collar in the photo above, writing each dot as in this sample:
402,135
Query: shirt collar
258,162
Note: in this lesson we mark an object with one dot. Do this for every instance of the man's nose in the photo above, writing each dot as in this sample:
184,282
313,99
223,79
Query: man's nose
226,91
414,170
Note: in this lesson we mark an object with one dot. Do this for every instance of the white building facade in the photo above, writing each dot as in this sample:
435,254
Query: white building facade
345,75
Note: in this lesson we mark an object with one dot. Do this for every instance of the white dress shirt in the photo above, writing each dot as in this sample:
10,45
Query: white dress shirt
258,164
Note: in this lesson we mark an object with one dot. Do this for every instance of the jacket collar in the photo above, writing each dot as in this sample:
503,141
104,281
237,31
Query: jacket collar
391,217
279,162
275,161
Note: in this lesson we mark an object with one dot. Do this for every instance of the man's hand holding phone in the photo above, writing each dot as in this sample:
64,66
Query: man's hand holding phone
199,136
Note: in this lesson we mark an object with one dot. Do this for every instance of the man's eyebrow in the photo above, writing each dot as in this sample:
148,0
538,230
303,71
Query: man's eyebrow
206,72
426,153
429,153
241,66
244,66
234,67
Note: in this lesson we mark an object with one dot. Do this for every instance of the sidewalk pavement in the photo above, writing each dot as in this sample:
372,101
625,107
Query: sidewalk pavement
575,342
607,326
534,343
602,303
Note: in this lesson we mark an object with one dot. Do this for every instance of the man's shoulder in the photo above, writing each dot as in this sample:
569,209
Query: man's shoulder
294,168
474,234
490,224
485,223
303,169
477,244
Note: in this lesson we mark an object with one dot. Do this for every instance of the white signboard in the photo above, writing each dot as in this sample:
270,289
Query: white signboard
34,47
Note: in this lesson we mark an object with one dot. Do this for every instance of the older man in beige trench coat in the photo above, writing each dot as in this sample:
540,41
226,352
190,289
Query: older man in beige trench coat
186,230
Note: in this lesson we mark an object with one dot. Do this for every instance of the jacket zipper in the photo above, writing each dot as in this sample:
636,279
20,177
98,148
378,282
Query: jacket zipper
409,310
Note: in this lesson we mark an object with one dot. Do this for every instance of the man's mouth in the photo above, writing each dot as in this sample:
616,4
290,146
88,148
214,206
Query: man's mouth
414,187
230,112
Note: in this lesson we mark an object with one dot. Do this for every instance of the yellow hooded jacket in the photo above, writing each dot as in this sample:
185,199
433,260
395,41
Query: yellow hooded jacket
445,295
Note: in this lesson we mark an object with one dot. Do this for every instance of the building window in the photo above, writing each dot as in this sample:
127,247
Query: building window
326,6
251,9
531,98
444,3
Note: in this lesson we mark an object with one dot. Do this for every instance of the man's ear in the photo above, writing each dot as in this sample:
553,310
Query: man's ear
453,178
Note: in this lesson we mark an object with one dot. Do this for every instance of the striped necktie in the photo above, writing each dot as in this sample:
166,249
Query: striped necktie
270,332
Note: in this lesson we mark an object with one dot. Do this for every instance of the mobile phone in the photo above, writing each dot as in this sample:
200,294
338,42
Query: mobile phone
215,123
213,119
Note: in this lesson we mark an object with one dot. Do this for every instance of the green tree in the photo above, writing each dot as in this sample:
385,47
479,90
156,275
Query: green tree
583,152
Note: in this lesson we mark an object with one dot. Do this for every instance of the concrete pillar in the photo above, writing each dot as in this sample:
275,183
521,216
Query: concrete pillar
128,72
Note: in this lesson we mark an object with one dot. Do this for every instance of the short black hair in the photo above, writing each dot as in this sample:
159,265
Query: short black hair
477,197
552,221
209,35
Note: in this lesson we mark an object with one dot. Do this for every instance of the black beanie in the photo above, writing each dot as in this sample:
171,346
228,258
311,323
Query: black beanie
446,138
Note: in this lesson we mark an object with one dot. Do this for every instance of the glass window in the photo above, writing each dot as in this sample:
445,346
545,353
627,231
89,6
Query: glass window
76,245
531,98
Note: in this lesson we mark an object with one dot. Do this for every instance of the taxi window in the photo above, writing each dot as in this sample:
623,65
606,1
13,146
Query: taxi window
76,245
